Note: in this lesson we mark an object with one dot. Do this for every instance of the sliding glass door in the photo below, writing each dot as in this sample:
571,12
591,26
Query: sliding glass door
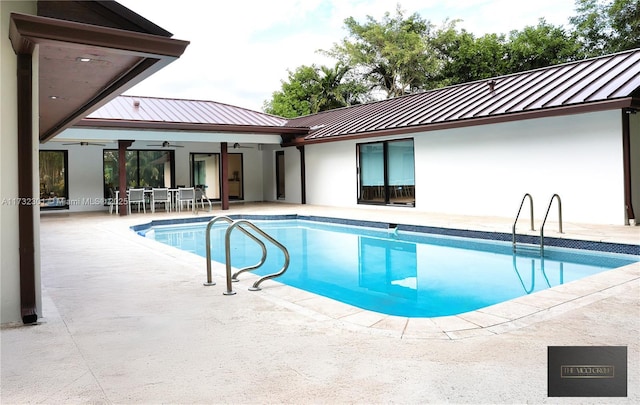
205,173
386,172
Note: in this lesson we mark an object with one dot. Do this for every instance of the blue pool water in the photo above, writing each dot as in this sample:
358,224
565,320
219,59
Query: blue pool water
397,273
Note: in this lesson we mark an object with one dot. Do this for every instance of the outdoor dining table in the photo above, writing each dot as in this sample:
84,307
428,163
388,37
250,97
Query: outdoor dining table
173,192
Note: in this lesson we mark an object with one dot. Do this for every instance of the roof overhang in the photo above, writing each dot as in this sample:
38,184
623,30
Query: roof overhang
627,102
70,88
141,137
185,126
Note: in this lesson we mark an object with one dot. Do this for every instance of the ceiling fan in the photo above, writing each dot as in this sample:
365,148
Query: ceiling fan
166,144
238,146
85,143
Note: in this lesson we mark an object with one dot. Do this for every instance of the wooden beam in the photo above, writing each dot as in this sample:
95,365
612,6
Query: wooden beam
224,172
122,175
303,176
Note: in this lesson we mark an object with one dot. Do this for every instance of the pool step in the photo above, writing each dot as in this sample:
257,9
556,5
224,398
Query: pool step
527,249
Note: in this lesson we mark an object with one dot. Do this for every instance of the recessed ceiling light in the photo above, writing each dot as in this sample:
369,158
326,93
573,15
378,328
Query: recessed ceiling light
83,59
53,97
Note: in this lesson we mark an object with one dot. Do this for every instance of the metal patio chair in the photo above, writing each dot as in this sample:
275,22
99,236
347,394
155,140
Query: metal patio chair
136,196
186,195
160,195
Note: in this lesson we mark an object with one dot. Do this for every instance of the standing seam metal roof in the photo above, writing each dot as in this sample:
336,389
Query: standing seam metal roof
588,81
154,109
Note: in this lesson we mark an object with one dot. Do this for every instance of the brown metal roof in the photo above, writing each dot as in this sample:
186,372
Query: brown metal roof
131,109
607,82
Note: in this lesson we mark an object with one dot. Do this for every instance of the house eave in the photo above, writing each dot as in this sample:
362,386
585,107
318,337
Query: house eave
627,102
184,126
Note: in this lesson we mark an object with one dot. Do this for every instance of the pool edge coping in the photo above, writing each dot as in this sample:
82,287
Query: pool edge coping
453,327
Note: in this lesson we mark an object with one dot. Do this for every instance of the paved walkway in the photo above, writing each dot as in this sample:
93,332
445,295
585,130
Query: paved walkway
126,320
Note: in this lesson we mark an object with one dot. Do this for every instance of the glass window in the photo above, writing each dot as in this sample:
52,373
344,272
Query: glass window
145,168
386,172
53,179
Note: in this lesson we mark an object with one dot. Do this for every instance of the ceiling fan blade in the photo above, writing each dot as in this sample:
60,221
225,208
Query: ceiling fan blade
167,144
238,146
84,143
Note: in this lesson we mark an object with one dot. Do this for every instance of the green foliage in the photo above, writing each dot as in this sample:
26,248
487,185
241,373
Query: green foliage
392,55
465,58
541,46
603,28
624,17
311,89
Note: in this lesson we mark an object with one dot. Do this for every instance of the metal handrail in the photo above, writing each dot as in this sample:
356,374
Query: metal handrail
513,229
203,196
545,220
227,237
208,245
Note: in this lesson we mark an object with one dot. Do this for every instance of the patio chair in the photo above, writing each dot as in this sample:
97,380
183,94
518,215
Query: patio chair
186,195
136,196
111,200
162,196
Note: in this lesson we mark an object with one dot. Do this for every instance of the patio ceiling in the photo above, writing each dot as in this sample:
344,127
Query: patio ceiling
82,66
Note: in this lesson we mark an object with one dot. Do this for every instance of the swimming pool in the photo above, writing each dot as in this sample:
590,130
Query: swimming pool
395,272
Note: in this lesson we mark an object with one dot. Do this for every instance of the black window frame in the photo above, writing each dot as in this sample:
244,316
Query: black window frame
385,189
43,198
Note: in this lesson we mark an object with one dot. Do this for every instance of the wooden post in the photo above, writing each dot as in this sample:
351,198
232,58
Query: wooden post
26,208
122,176
224,172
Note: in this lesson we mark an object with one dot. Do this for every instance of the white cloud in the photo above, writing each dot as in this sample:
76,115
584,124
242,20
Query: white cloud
241,49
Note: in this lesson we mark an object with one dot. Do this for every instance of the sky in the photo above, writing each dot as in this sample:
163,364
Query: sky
241,50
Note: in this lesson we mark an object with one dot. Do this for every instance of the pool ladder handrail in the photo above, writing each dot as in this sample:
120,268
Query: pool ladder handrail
225,218
203,196
256,285
237,224
545,220
513,228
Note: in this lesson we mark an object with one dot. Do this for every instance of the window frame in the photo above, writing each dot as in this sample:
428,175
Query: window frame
65,162
386,188
172,167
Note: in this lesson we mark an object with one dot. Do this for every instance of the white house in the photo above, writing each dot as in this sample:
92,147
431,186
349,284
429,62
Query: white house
470,149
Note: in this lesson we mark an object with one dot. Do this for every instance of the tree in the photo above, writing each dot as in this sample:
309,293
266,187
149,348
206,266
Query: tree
391,55
297,96
624,17
604,28
541,46
465,58
311,89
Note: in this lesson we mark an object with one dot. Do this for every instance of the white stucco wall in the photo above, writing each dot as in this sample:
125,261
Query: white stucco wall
292,179
292,182
485,170
9,259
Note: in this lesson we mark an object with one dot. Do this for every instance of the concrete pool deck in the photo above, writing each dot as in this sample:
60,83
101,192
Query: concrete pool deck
127,320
